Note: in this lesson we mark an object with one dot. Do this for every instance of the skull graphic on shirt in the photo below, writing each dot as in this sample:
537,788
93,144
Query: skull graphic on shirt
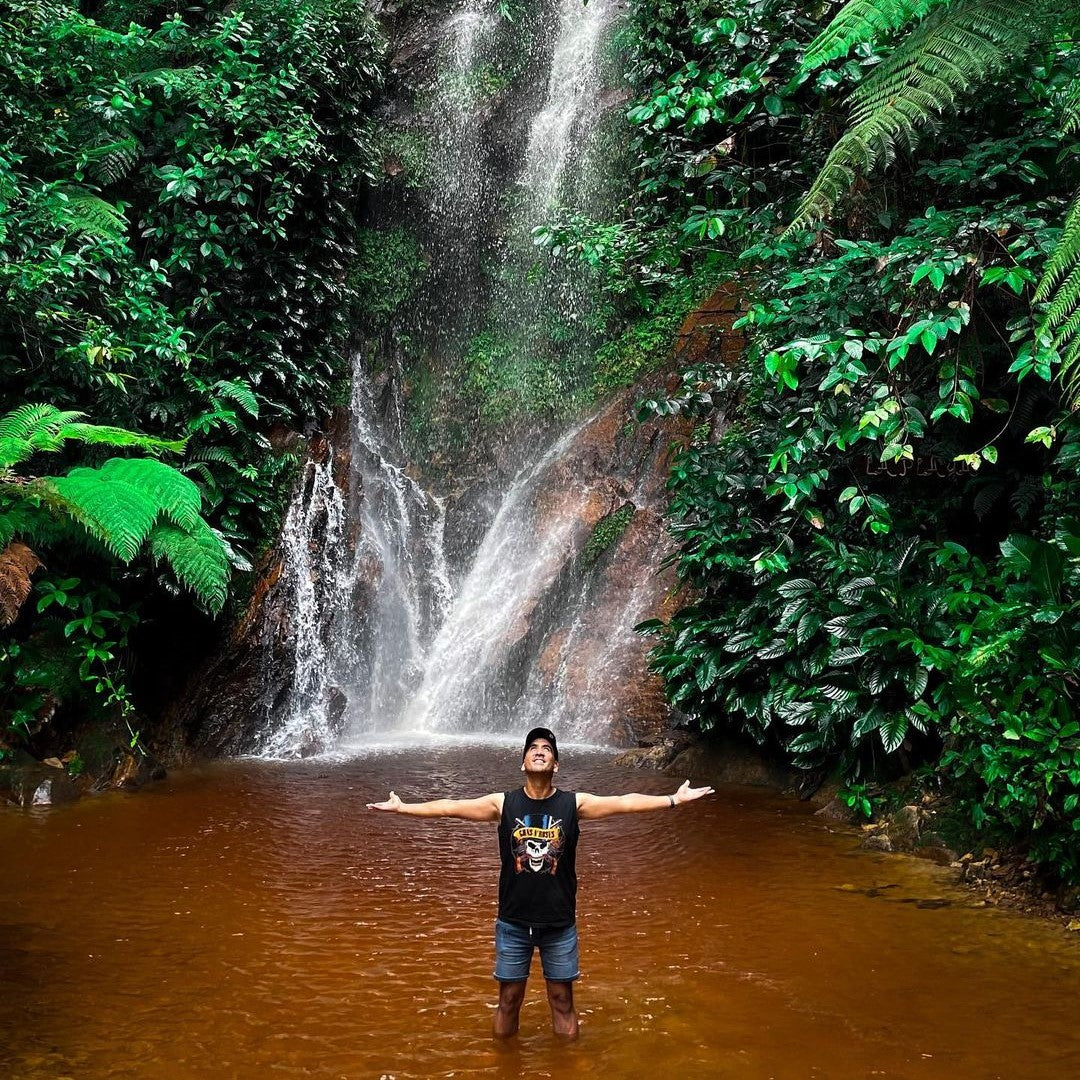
537,843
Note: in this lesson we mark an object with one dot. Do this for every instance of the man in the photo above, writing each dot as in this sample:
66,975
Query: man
538,833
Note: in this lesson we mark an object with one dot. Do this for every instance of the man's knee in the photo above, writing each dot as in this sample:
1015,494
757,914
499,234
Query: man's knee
511,994
561,996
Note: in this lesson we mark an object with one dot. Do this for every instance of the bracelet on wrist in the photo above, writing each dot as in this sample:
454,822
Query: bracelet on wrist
671,799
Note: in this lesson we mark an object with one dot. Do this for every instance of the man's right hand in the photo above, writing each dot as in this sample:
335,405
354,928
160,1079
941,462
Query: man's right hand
393,804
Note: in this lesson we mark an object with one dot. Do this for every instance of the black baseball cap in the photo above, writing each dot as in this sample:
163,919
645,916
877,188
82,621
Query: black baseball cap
541,733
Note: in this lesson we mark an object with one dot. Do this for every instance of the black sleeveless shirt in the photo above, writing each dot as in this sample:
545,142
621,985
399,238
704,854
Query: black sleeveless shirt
537,843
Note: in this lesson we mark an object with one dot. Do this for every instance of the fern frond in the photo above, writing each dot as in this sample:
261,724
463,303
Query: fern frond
80,210
863,20
1070,111
197,557
1065,257
29,429
106,435
40,428
121,501
17,565
200,468
1060,288
956,48
239,392
113,511
22,422
175,495
112,161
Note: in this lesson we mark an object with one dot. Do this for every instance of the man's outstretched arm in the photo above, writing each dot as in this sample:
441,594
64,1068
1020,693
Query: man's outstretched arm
486,808
591,807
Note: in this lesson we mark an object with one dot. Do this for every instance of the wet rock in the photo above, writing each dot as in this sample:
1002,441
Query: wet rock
658,753
903,828
1068,899
830,807
24,781
719,759
878,841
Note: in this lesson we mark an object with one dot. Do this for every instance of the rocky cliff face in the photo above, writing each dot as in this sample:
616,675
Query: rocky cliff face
569,656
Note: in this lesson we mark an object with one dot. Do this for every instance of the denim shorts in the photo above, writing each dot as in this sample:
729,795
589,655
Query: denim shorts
514,949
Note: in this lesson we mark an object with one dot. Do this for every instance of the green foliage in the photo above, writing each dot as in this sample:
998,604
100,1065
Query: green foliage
861,21
178,198
874,511
33,429
121,504
388,268
958,47
75,652
606,533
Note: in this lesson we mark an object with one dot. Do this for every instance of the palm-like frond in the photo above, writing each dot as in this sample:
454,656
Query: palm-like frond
197,558
80,210
40,428
1060,285
957,47
863,20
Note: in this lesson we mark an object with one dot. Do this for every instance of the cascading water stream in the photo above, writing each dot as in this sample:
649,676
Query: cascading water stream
464,683
560,130
383,639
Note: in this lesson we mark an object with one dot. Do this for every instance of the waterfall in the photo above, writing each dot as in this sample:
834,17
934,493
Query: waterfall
560,130
386,635
464,682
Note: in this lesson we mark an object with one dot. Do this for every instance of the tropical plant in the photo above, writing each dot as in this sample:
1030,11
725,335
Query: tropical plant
950,52
123,503
872,496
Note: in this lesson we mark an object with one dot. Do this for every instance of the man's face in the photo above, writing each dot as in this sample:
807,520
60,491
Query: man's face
539,757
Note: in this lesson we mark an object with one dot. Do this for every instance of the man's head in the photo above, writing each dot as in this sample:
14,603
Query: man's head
541,752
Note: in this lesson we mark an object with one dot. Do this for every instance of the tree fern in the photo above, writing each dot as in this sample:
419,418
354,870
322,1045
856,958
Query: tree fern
197,557
863,20
955,49
1060,284
176,495
122,503
39,428
116,512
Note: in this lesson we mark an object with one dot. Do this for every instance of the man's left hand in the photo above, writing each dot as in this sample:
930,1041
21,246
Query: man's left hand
688,794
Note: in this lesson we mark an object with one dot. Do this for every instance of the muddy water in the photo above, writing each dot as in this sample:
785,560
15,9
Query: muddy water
252,920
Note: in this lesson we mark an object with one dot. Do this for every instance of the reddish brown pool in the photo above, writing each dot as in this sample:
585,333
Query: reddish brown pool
253,920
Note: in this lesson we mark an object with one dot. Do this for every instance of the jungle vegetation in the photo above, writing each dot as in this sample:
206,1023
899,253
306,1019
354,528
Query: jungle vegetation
178,190
879,511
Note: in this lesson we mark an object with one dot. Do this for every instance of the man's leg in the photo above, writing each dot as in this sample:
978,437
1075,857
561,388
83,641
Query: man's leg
564,1019
505,1023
